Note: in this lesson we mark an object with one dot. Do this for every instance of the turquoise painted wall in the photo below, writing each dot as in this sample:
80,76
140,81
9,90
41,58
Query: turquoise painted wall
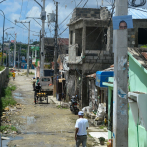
109,105
137,77
138,82
132,131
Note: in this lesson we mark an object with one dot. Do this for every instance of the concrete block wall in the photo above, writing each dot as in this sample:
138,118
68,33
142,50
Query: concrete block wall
131,37
103,57
85,13
3,78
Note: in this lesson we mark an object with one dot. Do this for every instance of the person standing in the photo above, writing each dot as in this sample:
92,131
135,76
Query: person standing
81,130
13,74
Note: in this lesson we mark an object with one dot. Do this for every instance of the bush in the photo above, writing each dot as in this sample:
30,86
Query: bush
7,127
144,46
7,98
101,139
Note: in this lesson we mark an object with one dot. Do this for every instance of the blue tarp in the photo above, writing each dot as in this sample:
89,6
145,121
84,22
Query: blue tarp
102,76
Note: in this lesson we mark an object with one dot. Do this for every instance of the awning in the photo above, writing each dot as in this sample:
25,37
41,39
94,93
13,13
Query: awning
102,76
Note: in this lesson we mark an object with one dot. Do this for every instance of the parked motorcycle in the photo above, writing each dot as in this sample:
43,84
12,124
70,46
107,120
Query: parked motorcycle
73,105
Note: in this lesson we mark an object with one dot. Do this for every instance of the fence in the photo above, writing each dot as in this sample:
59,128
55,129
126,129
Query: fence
3,77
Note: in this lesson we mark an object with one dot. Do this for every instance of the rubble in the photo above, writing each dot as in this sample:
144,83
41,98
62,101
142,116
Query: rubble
6,109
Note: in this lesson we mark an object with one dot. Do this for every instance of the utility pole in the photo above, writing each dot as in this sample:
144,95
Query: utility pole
56,48
9,53
120,101
15,51
19,57
43,18
28,61
42,43
28,43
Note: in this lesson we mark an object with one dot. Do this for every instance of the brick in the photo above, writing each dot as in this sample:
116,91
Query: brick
89,57
87,61
99,61
111,61
95,57
102,57
105,61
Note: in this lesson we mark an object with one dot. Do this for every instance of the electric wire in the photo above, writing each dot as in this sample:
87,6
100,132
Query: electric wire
133,3
21,9
16,24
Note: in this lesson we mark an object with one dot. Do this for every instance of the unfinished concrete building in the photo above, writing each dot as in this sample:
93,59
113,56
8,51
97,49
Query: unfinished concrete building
91,46
90,49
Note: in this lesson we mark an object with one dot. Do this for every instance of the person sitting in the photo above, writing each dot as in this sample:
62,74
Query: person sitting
37,81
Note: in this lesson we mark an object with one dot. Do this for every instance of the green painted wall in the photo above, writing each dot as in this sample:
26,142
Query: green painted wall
138,82
110,90
137,77
142,134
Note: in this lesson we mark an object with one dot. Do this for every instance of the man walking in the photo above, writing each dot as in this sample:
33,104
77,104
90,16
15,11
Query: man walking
80,132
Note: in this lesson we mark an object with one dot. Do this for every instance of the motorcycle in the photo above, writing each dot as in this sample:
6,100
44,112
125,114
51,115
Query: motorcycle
73,105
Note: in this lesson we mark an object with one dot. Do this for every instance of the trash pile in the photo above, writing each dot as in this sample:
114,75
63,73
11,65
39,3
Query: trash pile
6,126
97,118
101,113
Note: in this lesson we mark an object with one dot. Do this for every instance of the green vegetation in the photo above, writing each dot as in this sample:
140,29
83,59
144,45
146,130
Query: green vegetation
10,74
101,139
7,98
1,68
7,128
90,136
60,107
101,127
144,46
30,73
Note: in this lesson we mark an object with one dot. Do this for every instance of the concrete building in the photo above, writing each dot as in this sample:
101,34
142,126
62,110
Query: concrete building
89,49
91,44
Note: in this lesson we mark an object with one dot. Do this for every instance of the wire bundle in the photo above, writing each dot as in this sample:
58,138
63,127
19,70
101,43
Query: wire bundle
133,4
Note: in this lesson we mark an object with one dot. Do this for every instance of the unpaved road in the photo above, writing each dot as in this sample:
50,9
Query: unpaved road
41,125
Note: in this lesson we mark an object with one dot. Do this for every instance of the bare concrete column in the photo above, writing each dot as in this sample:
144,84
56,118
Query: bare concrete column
120,100
83,39
75,81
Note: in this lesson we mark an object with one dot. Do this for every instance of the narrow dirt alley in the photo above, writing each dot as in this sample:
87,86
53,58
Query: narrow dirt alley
40,125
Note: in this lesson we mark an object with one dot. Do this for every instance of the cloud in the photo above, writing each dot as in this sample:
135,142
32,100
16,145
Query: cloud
34,12
14,17
12,7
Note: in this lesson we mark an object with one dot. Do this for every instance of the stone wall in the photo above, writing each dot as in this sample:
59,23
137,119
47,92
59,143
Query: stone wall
3,78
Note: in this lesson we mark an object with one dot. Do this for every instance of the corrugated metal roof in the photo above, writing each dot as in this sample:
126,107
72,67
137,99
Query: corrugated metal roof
137,13
91,76
144,54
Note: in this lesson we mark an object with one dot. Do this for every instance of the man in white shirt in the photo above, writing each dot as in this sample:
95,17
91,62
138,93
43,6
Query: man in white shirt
81,130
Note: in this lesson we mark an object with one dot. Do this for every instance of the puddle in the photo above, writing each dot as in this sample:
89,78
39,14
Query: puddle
46,133
17,95
5,142
29,119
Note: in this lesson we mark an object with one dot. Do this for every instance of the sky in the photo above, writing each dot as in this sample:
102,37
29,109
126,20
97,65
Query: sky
20,9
